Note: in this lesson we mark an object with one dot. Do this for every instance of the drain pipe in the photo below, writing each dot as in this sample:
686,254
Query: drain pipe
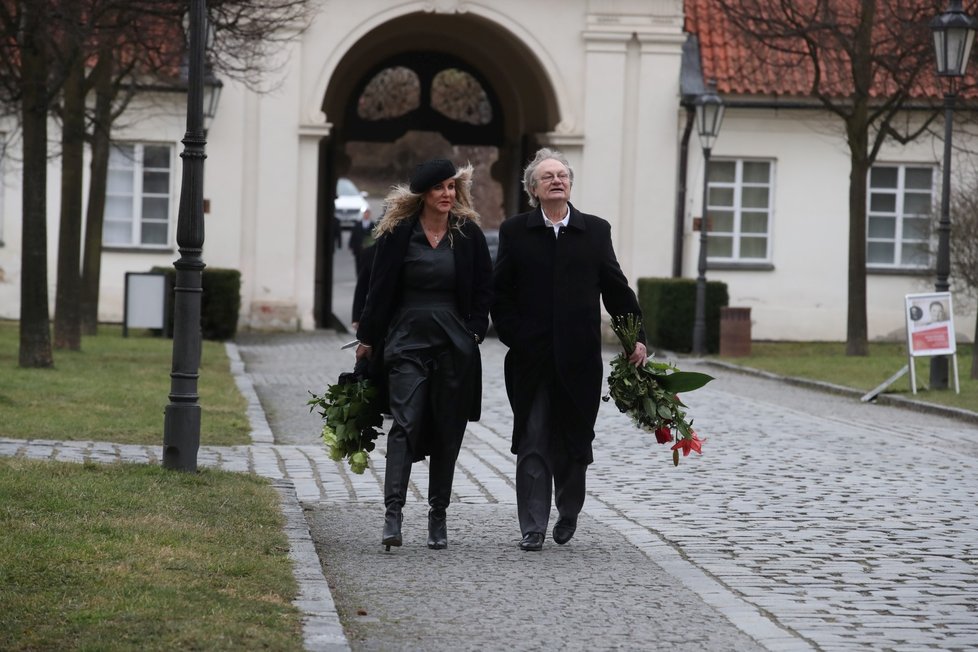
677,238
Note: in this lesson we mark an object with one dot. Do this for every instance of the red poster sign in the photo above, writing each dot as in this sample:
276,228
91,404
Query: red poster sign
930,324
931,339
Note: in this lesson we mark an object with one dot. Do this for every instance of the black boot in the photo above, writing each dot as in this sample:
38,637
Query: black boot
392,527
395,486
437,529
440,475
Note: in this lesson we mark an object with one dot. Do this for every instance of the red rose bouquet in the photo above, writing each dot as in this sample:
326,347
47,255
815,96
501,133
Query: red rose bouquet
650,394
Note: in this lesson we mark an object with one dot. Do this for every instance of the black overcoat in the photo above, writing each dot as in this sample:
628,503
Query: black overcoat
547,310
473,290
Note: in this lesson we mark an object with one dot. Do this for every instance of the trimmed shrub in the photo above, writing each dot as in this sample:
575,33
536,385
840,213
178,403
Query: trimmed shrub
220,302
669,309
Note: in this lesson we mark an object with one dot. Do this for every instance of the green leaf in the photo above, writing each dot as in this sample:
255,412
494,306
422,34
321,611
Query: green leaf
649,406
683,381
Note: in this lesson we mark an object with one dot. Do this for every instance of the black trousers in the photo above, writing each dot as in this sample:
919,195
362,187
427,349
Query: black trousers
428,415
544,468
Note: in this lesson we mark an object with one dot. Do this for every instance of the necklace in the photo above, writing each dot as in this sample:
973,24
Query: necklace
431,235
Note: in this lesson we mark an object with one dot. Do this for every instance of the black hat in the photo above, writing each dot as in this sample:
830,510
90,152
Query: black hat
429,173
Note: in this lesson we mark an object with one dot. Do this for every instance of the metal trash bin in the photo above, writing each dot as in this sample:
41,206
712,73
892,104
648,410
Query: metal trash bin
734,332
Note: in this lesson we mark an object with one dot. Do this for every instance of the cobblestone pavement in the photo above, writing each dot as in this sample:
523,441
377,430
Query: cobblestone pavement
811,521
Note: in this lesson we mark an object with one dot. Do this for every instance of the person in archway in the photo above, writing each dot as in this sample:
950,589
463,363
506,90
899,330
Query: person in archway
361,237
363,284
426,312
553,268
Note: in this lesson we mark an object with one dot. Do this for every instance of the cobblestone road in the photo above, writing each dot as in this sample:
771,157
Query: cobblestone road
812,521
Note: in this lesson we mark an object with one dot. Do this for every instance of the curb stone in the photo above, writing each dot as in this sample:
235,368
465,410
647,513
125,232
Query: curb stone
321,628
832,388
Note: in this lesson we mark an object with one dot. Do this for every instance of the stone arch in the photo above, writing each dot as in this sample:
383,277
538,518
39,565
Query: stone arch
525,102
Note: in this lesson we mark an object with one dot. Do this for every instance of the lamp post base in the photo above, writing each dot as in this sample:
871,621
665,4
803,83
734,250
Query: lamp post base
181,437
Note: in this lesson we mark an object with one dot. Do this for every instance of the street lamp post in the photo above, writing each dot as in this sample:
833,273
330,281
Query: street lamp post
954,33
181,423
709,116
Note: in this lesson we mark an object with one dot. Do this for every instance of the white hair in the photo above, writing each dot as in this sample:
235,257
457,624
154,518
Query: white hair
544,153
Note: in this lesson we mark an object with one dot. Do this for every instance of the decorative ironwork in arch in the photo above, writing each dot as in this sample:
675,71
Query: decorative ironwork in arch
424,91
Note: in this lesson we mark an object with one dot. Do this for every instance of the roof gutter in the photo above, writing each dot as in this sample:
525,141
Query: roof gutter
680,220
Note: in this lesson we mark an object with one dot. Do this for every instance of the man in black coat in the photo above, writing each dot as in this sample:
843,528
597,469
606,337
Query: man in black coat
361,237
554,267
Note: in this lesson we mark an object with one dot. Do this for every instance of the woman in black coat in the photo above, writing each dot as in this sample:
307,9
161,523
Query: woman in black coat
426,312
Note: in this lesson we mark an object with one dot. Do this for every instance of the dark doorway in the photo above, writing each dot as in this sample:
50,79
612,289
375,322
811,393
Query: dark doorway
479,96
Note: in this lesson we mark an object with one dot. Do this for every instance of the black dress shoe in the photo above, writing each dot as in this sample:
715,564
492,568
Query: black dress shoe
564,530
532,541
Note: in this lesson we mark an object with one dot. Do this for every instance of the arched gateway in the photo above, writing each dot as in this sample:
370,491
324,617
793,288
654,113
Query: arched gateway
598,79
518,102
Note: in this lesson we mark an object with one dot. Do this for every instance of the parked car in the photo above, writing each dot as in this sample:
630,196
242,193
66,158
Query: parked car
351,204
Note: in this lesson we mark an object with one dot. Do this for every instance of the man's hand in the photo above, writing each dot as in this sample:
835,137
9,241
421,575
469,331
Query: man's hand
639,355
363,351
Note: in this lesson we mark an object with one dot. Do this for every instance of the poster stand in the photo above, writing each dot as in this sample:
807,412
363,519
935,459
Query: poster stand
930,331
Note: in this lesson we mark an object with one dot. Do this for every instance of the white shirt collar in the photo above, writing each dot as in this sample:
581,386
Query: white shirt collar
556,225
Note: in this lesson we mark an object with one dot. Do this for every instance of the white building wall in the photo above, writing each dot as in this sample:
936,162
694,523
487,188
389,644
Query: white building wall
804,296
613,66
10,233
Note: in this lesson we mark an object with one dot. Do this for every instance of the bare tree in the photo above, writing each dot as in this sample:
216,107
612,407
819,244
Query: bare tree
140,44
866,61
27,81
67,334
964,246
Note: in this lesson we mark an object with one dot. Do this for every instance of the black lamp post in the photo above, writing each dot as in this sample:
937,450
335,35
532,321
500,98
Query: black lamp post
709,116
181,423
954,33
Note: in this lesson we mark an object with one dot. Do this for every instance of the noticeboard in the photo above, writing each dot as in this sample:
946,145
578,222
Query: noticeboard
145,301
930,324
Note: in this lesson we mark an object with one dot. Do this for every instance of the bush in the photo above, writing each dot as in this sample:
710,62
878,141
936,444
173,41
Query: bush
220,302
669,308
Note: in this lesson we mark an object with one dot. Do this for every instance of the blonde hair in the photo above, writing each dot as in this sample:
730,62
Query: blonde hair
401,203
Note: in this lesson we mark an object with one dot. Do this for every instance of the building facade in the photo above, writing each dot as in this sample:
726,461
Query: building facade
599,79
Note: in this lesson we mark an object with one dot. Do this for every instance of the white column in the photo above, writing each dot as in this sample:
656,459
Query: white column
306,233
597,186
655,133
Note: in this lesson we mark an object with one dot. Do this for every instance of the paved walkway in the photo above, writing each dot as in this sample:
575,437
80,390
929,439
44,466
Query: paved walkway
812,521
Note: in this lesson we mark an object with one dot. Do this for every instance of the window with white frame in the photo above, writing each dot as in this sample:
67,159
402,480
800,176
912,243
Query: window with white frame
739,199
138,202
899,216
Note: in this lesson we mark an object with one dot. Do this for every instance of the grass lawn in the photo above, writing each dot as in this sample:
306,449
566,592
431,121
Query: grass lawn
827,361
127,557
115,389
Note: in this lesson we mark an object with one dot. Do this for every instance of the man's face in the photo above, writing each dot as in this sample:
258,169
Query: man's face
552,181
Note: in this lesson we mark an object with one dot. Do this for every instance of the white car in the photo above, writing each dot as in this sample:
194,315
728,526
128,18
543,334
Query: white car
350,204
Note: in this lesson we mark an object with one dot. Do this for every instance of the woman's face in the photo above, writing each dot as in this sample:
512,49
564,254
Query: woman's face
441,197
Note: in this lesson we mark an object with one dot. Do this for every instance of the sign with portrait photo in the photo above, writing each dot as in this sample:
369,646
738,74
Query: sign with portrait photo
930,324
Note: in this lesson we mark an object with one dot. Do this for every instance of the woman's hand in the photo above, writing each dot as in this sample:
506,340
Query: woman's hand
639,355
363,351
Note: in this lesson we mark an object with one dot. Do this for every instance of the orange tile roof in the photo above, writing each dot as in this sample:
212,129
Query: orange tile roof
743,67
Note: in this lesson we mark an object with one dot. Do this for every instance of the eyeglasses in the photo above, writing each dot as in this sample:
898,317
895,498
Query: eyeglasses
549,177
